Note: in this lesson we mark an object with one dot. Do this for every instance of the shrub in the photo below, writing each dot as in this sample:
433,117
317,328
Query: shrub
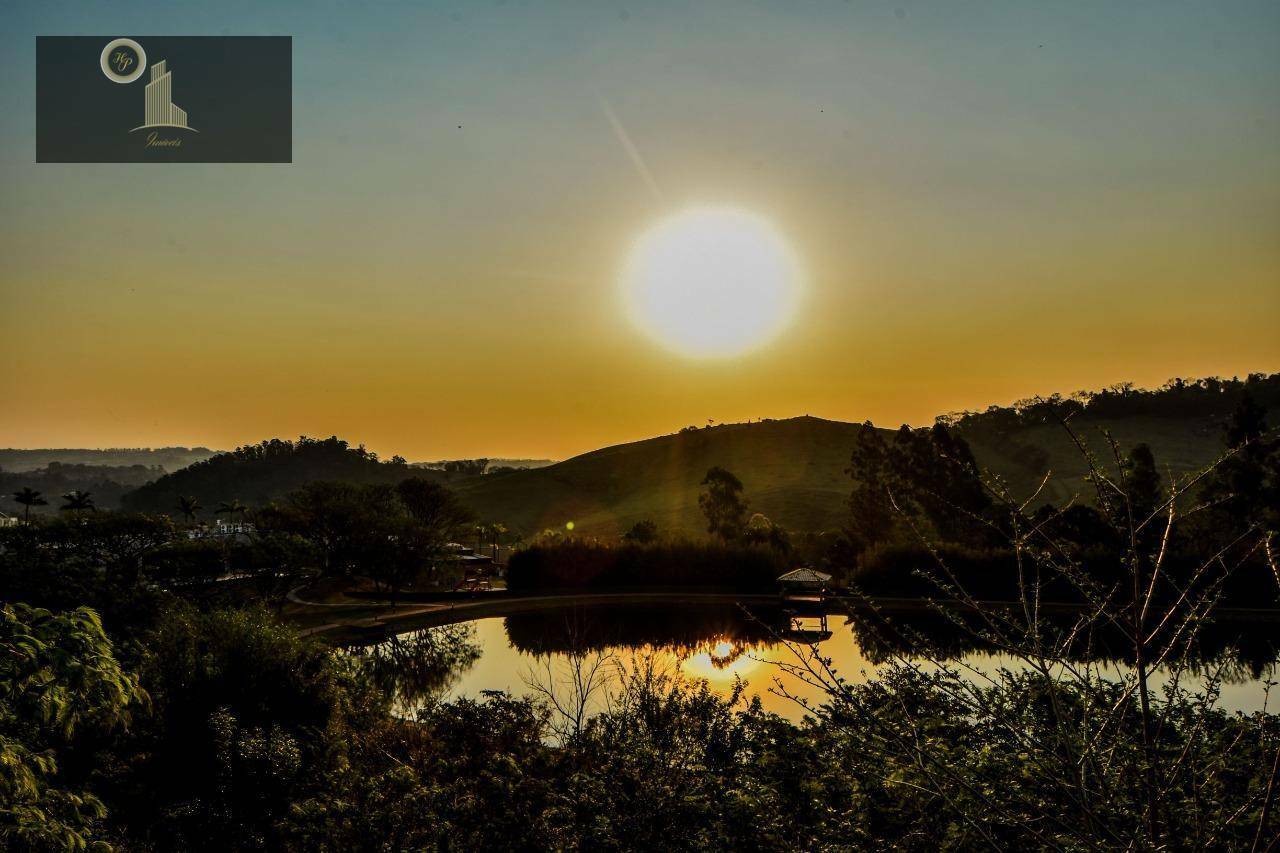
681,564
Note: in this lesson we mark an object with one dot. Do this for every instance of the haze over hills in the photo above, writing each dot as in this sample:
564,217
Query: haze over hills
793,470
168,458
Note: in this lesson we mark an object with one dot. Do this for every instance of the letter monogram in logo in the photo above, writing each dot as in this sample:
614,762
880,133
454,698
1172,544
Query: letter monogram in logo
123,60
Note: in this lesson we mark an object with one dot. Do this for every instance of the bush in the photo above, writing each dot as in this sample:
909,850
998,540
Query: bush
911,571
682,564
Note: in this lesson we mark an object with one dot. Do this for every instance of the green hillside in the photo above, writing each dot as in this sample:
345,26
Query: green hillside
792,471
1180,445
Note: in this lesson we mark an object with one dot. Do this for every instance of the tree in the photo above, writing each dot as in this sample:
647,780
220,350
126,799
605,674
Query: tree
1142,481
343,521
723,505
930,474
231,509
29,497
58,676
871,515
77,501
496,529
465,467
761,531
432,505
189,506
642,533
1245,487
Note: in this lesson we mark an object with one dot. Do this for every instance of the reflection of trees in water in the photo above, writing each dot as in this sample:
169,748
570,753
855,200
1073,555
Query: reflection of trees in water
680,628
1244,649
421,665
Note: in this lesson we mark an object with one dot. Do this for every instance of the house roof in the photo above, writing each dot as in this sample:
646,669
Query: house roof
804,576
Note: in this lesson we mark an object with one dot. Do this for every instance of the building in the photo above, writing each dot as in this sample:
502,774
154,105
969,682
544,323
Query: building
160,109
804,582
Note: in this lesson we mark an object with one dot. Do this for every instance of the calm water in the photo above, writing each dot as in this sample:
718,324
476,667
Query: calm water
721,643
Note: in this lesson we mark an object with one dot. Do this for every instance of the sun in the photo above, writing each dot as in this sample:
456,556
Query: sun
712,282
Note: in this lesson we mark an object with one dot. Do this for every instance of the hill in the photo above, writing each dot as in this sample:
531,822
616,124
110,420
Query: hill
259,473
794,470
106,484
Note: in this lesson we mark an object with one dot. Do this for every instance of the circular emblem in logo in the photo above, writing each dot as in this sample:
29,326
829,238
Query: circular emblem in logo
123,60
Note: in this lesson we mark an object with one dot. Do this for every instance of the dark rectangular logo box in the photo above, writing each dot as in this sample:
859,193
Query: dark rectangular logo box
164,99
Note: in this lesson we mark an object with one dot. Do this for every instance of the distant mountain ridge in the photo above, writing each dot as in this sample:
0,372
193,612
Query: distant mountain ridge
168,458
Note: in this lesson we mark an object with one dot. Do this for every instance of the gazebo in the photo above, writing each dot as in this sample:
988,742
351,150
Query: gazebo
804,581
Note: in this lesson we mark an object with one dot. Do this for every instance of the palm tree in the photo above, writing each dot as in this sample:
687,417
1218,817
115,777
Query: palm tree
29,497
77,501
231,508
189,507
495,531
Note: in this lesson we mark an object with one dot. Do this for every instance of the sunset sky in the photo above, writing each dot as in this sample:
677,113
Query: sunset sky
985,201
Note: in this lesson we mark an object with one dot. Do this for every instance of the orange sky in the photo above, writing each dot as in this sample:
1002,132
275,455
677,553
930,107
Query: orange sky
979,218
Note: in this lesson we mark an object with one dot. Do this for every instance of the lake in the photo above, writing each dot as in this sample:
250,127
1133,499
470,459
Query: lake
722,643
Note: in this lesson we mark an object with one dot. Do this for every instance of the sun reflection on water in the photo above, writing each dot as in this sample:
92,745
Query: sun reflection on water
721,661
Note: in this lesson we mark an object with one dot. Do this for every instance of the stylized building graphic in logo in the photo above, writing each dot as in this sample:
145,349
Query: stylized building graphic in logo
121,108
160,110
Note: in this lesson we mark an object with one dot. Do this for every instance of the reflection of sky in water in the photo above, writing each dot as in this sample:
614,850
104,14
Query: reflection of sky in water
719,662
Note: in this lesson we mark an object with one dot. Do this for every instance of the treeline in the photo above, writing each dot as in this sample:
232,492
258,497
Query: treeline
259,473
168,458
392,535
106,483
594,565
1211,397
924,520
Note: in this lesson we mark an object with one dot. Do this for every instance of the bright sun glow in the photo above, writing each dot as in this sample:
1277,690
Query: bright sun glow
712,282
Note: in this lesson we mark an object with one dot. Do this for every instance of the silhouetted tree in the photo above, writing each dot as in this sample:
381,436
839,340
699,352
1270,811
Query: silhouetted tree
761,531
723,505
432,505
29,497
1246,486
231,509
871,515
76,501
642,533
189,506
1142,480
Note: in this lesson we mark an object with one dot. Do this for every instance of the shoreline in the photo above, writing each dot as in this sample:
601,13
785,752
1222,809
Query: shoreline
360,627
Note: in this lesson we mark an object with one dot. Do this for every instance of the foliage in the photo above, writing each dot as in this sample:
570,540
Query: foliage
575,563
260,473
761,531
58,680
642,533
723,504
